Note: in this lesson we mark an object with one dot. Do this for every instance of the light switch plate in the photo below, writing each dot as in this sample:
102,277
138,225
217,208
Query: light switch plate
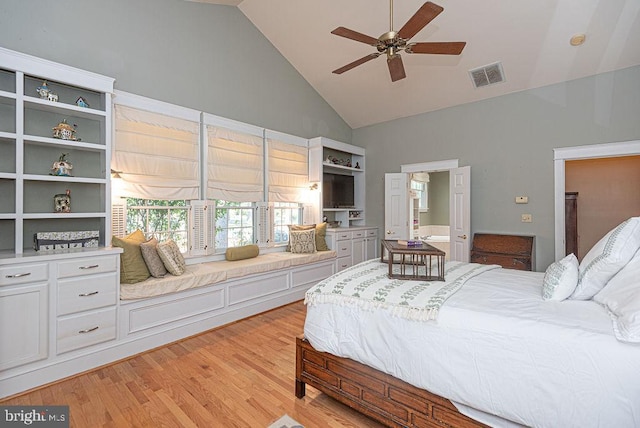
526,218
522,199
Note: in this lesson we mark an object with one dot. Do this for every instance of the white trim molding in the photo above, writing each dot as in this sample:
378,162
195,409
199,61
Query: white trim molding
592,151
435,166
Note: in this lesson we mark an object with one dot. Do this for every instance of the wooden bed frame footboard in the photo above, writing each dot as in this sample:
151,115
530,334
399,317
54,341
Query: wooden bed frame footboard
377,395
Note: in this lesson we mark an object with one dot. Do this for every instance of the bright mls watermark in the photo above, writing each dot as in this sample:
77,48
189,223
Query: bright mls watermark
34,416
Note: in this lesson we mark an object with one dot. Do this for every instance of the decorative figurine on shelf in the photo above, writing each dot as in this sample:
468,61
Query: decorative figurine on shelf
62,202
80,102
64,131
52,97
357,165
325,219
348,163
61,167
43,90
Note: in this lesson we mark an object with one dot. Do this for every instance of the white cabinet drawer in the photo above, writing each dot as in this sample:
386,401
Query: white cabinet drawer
343,248
23,273
343,263
372,233
79,331
358,234
86,266
82,294
341,236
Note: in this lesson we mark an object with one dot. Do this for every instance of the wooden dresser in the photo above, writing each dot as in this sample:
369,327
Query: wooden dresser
508,251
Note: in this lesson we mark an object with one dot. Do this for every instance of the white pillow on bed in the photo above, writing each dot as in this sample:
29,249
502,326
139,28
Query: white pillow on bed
560,279
607,257
621,297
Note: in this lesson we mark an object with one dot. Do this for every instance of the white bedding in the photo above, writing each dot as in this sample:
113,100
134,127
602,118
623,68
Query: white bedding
499,348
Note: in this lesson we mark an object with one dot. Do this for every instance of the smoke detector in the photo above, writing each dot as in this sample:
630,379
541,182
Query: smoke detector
487,75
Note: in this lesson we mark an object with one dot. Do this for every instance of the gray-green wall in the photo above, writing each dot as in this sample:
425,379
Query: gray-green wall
438,213
206,57
508,141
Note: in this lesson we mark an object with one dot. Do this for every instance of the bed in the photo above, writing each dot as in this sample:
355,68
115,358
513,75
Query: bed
495,352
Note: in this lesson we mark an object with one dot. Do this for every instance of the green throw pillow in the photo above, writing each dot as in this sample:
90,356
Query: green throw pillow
241,253
321,240
321,233
132,266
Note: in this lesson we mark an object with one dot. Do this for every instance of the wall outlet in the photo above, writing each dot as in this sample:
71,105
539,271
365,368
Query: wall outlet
522,199
526,218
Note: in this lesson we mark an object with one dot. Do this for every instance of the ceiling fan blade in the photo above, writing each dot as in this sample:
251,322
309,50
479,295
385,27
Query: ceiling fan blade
417,22
396,68
356,63
436,48
354,35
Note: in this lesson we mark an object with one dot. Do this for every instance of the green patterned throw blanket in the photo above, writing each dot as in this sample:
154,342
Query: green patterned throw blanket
368,286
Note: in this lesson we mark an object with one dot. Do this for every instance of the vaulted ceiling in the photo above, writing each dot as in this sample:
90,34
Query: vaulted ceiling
531,40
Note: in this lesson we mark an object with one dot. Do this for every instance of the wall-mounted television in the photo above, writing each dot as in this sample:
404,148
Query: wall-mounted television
337,191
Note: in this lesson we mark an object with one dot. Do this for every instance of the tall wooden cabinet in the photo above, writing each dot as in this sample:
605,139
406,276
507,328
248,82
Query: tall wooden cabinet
571,222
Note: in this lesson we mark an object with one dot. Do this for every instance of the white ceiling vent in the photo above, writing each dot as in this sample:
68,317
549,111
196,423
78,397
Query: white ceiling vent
487,75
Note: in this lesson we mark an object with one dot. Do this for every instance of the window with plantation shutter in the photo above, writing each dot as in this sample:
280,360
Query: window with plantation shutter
202,221
119,218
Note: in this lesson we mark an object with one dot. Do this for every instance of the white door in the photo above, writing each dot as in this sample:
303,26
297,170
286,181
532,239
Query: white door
460,213
396,206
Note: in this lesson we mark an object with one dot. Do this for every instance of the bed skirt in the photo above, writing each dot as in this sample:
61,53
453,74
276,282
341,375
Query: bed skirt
375,394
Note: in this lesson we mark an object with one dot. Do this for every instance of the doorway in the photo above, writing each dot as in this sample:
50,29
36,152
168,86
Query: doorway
606,194
568,154
397,225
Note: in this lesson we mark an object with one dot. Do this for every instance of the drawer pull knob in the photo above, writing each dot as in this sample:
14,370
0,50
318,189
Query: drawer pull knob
344,249
18,275
88,330
89,267
88,294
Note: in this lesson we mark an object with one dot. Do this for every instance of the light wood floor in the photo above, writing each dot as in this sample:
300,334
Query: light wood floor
240,375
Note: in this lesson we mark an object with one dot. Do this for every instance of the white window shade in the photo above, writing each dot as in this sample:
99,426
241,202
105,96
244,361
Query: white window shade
234,166
288,172
157,156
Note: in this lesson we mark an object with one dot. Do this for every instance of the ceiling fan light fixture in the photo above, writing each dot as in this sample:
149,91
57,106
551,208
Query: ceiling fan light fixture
392,42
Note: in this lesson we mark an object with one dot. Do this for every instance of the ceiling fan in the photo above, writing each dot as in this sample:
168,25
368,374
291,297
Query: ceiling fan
393,42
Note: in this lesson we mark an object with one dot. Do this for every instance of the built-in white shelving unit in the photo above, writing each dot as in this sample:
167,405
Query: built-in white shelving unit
349,160
29,149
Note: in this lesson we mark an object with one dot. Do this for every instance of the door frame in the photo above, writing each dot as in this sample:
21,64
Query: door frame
438,166
434,166
563,154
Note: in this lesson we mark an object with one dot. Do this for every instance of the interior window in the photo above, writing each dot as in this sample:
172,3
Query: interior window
421,189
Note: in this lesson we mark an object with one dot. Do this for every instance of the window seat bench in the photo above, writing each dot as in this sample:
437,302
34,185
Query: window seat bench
210,294
208,273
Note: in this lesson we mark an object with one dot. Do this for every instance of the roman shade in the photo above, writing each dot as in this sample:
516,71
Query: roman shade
234,165
288,171
156,155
